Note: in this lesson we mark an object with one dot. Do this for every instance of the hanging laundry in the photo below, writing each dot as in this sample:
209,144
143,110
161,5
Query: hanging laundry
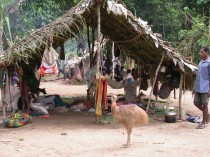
49,56
46,69
101,95
3,77
49,65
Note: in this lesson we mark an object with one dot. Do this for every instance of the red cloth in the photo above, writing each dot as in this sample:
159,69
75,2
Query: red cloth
88,104
105,83
135,76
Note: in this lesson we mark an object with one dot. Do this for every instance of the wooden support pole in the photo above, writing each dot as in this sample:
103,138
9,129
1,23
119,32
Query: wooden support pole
156,73
88,38
99,35
174,93
2,102
180,95
113,58
132,63
98,9
128,62
92,51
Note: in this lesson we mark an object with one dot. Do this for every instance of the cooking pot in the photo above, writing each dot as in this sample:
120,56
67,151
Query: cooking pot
170,117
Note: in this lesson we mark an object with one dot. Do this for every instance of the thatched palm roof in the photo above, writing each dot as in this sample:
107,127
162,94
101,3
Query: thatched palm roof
118,24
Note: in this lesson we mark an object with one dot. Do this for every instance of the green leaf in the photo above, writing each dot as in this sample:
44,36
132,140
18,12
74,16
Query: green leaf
8,27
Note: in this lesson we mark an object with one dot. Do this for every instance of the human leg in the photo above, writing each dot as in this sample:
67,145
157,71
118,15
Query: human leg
204,106
197,101
205,100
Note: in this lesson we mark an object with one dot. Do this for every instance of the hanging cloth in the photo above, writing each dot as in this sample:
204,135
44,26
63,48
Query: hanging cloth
99,93
50,56
7,95
49,65
105,84
156,90
62,52
45,69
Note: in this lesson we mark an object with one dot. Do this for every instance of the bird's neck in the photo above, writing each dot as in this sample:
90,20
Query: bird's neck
114,107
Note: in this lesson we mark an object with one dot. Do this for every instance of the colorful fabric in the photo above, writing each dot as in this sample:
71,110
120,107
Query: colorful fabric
15,77
101,95
99,92
105,94
46,69
49,65
18,120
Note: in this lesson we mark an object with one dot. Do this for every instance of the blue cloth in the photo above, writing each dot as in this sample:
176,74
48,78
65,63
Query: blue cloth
203,76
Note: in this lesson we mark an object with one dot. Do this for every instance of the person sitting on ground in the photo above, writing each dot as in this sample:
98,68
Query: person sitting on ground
134,74
129,77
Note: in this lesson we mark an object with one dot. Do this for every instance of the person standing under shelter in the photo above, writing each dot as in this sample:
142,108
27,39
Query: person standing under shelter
202,86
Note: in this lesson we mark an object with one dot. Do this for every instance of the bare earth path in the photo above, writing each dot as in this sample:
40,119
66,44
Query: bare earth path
74,134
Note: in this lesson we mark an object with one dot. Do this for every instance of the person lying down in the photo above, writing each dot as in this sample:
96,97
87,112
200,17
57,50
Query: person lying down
41,105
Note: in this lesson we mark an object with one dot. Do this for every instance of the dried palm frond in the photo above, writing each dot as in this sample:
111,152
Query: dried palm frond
137,40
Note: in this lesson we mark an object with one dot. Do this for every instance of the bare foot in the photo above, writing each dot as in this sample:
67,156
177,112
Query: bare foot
201,126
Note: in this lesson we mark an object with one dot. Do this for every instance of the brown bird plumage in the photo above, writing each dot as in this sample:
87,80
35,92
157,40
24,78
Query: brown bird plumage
128,116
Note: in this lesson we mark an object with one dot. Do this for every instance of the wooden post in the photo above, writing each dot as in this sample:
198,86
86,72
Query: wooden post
128,62
113,58
174,93
180,95
99,35
156,73
93,45
98,45
133,63
88,38
2,102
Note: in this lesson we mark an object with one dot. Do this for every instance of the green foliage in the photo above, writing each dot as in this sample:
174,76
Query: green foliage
35,14
194,38
185,23
5,5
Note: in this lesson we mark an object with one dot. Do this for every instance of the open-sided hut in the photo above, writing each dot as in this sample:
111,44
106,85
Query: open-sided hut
117,24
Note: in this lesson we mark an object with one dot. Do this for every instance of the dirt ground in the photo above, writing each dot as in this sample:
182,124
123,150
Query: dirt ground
74,134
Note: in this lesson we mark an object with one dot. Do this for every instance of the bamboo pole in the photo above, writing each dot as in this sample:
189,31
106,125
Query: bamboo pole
156,73
180,95
113,58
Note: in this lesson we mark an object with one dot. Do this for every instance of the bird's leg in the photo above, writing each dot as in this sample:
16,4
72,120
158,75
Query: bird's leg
128,137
